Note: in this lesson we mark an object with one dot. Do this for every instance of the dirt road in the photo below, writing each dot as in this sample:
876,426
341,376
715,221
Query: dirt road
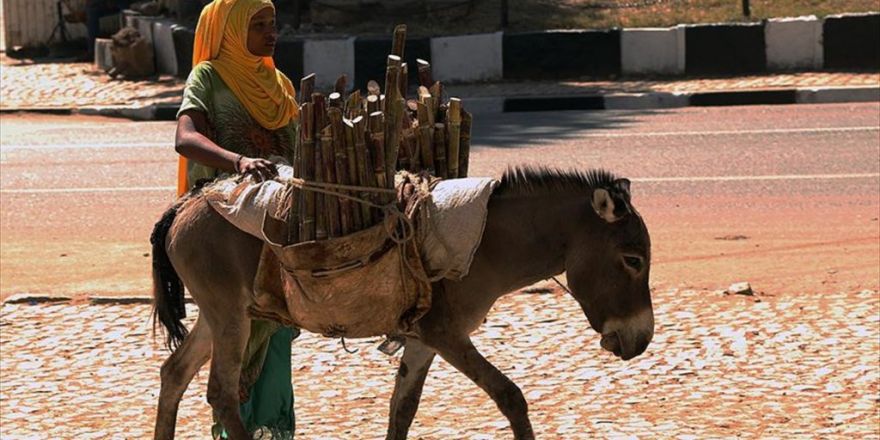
784,197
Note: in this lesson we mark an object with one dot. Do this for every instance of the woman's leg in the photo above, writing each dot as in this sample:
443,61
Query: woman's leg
267,390
271,397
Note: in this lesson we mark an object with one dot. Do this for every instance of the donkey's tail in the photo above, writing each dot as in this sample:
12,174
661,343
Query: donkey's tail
168,303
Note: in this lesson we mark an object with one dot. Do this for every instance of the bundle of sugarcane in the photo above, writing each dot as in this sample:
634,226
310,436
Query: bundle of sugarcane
355,144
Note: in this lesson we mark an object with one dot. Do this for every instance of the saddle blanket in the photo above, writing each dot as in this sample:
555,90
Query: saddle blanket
456,214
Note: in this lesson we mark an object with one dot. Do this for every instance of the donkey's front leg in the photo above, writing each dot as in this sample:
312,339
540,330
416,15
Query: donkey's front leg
461,354
414,366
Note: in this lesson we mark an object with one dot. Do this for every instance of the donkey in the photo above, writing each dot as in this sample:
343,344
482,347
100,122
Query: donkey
541,222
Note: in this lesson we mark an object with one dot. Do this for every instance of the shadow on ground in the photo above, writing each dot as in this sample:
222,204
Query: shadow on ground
526,129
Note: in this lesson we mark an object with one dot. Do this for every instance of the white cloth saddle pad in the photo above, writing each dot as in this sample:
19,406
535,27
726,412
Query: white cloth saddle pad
456,215
249,203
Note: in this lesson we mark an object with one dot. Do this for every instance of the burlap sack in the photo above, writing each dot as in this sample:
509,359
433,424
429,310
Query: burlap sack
132,54
362,285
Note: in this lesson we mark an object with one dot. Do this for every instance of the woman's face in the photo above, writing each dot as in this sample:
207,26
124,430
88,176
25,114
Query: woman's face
262,34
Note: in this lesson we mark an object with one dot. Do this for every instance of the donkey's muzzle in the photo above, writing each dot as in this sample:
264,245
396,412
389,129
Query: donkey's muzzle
628,338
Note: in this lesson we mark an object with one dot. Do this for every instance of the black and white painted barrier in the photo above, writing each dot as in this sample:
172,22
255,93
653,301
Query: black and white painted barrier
847,41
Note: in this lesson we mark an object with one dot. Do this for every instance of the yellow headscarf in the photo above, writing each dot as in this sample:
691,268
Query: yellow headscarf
221,40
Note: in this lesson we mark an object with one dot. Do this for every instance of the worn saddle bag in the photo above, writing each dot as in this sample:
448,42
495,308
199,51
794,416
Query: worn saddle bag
364,284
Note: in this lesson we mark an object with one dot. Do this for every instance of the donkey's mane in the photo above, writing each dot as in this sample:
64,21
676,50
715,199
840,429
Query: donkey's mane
530,180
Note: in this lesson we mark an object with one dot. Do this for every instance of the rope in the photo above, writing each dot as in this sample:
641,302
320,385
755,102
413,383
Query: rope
564,287
400,227
327,188
401,230
346,348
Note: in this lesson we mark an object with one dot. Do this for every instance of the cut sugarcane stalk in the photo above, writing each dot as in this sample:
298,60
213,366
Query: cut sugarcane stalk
306,88
399,40
393,115
372,104
412,107
392,75
307,158
334,100
437,94
465,144
341,84
377,144
320,210
426,138
353,177
331,204
354,106
425,77
367,177
410,150
337,130
403,80
319,111
426,98
453,125
373,88
440,150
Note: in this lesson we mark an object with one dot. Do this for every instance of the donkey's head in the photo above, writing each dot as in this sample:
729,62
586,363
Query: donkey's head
607,262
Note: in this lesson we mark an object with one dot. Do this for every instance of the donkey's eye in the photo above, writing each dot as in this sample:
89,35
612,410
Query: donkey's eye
635,263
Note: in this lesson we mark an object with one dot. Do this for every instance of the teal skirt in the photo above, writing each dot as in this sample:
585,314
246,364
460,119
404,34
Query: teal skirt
269,407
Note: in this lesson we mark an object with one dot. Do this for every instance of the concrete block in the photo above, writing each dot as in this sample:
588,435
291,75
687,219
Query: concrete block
183,48
163,46
653,51
467,57
725,49
636,101
794,43
328,59
852,41
129,18
561,54
830,95
144,25
744,97
103,55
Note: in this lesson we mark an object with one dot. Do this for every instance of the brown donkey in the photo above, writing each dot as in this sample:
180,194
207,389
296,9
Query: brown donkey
541,223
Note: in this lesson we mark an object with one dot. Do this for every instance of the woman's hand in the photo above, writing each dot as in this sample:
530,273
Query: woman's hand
260,169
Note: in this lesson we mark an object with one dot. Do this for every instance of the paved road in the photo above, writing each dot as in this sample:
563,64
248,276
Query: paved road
799,183
792,367
784,197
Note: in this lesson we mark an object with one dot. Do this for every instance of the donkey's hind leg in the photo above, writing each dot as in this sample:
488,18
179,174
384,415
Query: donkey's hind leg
229,340
414,365
177,372
461,354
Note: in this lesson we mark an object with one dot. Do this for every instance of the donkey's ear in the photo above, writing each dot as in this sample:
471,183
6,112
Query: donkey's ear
603,204
623,186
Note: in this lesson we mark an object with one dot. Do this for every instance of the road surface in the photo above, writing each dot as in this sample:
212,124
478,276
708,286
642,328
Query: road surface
785,197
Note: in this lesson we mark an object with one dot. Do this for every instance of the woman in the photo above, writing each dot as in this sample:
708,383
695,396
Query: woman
237,111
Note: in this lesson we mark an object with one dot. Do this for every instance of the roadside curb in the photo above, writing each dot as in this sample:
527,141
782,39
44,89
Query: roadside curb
660,100
595,101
